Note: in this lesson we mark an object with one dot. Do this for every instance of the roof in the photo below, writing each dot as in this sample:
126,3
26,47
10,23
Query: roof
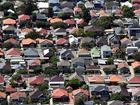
116,78
135,64
123,65
115,102
96,79
95,51
9,21
34,62
27,30
44,41
10,89
63,63
55,20
82,91
17,95
125,41
59,92
77,9
2,95
57,79
13,52
69,21
11,40
134,80
105,48
1,79
61,41
37,80
23,17
28,41
76,76
31,52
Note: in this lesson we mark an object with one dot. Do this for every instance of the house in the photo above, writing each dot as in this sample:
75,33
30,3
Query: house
34,63
115,102
66,54
80,92
44,43
101,41
89,5
43,5
135,65
78,64
28,42
95,52
41,17
134,31
136,43
76,76
131,50
68,4
9,30
31,52
95,79
2,96
13,52
12,41
84,53
134,81
60,95
56,82
9,89
17,96
9,21
125,41
60,32
115,79
113,40
123,68
23,17
2,80
64,66
62,42
106,52
73,40
100,91
36,95
93,69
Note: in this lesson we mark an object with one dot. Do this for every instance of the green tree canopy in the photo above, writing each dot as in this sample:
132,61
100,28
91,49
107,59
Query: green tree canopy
32,35
128,12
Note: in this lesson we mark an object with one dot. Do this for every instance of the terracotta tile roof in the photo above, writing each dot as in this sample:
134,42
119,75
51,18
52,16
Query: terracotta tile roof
82,91
61,41
1,52
17,95
137,11
114,50
28,30
1,79
96,79
11,40
122,65
80,21
34,62
10,89
116,78
135,1
135,64
55,20
2,95
70,21
134,80
9,21
44,40
28,41
23,17
59,92
93,13
13,52
37,80
77,9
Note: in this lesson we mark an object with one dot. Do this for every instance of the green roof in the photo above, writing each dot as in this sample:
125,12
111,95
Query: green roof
95,51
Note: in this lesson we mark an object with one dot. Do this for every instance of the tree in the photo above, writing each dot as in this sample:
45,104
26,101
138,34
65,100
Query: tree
51,71
104,22
137,56
64,16
118,96
128,12
42,24
80,33
110,60
59,25
33,35
43,87
88,45
79,101
86,15
50,12
7,5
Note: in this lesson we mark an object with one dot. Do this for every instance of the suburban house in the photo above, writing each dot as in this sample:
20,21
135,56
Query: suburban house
106,52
